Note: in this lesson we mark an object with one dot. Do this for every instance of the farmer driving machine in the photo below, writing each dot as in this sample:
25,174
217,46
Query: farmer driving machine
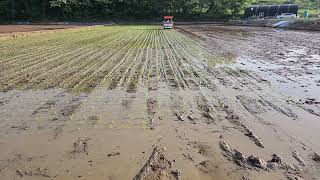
168,23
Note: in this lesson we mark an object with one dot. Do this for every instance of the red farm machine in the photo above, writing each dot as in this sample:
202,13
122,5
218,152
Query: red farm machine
168,22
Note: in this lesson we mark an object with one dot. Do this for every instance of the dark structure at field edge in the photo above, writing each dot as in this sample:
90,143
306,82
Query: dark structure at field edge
270,10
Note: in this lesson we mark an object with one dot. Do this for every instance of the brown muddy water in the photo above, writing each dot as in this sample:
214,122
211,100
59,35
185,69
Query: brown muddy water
137,102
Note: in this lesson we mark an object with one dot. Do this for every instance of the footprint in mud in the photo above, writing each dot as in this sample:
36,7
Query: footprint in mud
253,106
202,148
80,147
316,158
205,109
3,102
69,110
72,106
41,172
207,166
311,101
158,167
151,109
20,127
124,103
58,131
45,107
113,154
93,119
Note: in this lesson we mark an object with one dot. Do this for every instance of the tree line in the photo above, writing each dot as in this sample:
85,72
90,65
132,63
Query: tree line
103,10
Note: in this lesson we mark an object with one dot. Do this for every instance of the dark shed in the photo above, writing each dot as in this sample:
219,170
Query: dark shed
270,10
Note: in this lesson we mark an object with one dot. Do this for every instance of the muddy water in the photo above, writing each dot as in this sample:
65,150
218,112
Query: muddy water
199,102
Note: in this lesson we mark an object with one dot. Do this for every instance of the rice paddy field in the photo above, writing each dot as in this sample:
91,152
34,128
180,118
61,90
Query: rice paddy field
139,102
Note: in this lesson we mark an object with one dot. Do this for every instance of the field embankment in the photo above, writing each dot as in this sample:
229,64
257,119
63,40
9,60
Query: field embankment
298,24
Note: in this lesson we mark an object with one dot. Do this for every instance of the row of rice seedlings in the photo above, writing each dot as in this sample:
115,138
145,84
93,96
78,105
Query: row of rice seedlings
162,69
181,63
137,69
150,59
98,72
195,61
24,45
67,65
195,58
159,57
66,68
177,65
121,71
72,40
38,67
37,56
187,58
200,67
198,51
24,75
150,70
45,38
171,76
134,75
177,100
90,73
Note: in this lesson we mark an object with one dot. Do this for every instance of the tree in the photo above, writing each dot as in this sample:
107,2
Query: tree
118,9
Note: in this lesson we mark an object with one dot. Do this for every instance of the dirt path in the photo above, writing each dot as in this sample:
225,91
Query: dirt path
138,102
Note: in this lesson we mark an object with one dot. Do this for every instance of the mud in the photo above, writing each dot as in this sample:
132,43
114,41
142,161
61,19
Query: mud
28,28
158,167
138,102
